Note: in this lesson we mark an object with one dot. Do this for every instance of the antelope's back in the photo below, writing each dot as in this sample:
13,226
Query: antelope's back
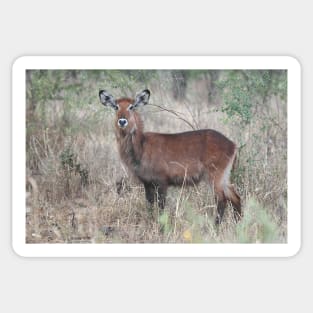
193,144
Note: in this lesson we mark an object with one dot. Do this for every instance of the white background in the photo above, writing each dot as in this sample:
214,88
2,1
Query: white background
158,28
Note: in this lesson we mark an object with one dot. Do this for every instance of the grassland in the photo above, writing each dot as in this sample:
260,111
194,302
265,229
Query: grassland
78,191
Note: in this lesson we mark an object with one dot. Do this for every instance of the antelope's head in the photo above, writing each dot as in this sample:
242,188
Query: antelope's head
126,117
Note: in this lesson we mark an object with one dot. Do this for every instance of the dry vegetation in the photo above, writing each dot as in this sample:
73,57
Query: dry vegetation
79,192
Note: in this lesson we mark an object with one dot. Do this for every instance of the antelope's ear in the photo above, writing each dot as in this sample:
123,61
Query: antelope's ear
142,98
107,99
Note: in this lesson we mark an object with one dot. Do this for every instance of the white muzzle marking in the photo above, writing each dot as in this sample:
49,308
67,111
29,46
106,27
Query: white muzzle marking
122,122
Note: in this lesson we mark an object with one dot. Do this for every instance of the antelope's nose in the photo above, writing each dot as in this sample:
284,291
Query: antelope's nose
122,122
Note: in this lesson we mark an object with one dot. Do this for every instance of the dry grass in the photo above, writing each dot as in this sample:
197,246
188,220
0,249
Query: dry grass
73,168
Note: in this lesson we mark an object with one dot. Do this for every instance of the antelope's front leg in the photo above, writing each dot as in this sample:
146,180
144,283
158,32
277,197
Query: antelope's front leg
161,191
150,191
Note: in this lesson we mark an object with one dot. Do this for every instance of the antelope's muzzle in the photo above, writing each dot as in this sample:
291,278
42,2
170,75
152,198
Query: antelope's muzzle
122,122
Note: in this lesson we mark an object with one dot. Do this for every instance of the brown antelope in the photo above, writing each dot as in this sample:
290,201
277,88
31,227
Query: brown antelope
163,160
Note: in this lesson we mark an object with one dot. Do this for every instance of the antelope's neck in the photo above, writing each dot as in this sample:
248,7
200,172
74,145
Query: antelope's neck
130,144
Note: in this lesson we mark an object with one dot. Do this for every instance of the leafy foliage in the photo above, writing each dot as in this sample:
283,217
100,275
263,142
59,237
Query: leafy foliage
243,90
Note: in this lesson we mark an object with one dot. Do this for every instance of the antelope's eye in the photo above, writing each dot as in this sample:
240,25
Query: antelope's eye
130,107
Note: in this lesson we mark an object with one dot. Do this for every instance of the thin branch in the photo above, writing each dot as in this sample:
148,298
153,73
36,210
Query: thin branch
174,113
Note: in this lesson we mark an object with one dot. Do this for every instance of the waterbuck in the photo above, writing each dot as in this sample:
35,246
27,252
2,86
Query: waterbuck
162,160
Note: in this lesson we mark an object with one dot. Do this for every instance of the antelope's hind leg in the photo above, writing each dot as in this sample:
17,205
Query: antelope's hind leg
221,205
235,200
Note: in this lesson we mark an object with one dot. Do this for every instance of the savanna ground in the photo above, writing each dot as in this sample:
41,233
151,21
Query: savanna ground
79,192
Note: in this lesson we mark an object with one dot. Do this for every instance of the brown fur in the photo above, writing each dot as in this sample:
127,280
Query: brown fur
162,160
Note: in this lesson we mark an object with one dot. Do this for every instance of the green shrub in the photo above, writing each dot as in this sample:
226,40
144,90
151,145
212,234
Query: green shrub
256,226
